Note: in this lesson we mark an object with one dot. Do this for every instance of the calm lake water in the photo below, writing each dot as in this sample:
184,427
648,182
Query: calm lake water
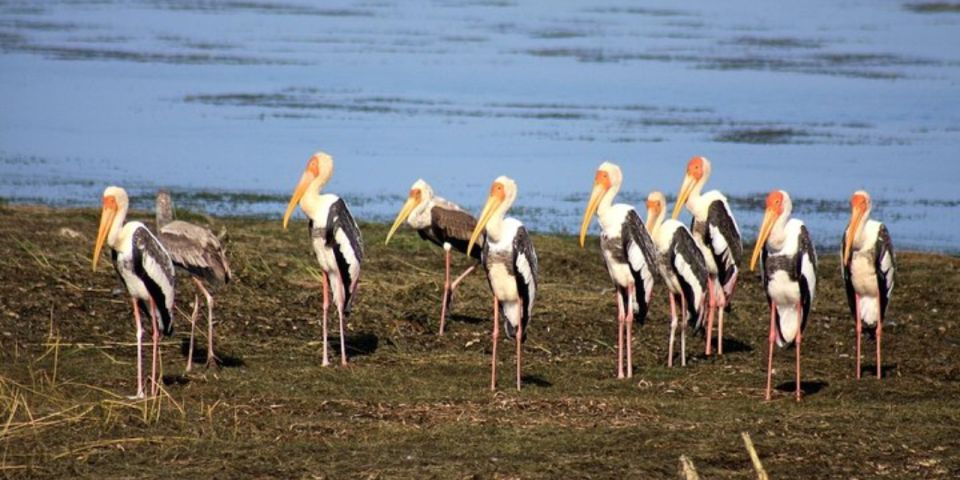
224,101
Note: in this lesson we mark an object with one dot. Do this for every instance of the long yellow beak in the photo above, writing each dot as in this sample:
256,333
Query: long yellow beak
598,190
855,219
488,210
106,221
408,207
298,192
769,218
685,189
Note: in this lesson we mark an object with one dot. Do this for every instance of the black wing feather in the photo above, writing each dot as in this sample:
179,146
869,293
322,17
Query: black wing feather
805,249
684,245
146,245
848,280
526,288
718,216
634,232
339,218
885,279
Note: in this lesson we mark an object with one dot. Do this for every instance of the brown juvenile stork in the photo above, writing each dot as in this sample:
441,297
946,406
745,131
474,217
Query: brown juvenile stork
788,266
868,265
336,242
197,251
718,235
443,223
144,268
511,265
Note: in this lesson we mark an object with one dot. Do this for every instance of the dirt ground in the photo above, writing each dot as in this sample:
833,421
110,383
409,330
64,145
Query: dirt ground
415,405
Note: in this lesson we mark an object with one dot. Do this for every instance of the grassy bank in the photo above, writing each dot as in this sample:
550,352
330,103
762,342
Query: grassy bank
417,406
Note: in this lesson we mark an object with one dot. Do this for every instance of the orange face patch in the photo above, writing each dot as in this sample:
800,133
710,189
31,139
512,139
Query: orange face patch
858,201
775,201
110,202
602,178
415,194
314,166
496,190
695,167
653,205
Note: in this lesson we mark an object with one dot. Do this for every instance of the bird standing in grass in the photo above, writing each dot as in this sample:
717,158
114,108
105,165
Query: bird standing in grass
144,268
868,265
788,266
511,264
443,223
197,251
629,253
336,241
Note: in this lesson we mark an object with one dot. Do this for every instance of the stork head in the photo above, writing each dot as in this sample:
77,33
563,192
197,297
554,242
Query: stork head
319,169
860,207
503,192
698,170
114,208
420,193
164,208
778,207
608,177
656,210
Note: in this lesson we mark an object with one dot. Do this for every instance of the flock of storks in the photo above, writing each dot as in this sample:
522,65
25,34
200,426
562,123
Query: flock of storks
699,265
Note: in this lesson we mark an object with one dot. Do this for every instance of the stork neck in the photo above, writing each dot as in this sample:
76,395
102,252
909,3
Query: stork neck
310,199
606,201
113,237
858,237
657,222
778,234
421,216
695,192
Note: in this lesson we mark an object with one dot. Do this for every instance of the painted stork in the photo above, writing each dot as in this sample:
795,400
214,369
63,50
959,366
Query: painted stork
443,223
197,251
511,265
336,240
718,235
868,266
683,269
788,266
144,268
629,253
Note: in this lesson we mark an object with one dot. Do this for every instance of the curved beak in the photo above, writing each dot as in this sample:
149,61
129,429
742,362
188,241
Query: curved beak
106,221
298,192
769,218
493,203
408,207
685,189
598,190
855,219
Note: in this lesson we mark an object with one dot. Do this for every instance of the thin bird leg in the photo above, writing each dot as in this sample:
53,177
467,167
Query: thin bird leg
212,359
673,329
193,329
446,288
770,338
496,336
721,305
156,348
343,336
139,330
621,316
799,340
519,343
856,303
683,330
629,322
453,286
879,336
711,306
326,306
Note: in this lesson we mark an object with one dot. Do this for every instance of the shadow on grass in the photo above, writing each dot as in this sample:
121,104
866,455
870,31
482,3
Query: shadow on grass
200,355
808,388
870,370
536,381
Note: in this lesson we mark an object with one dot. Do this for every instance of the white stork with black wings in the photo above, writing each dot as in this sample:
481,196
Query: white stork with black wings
336,241
145,270
197,251
789,270
718,235
682,268
443,223
511,265
629,253
868,265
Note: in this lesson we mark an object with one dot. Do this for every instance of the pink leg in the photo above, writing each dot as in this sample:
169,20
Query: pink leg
496,336
343,337
621,317
683,331
879,336
673,329
139,330
720,307
798,341
326,306
212,360
453,286
620,320
629,322
856,300
519,345
156,349
446,289
710,308
193,330
771,338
